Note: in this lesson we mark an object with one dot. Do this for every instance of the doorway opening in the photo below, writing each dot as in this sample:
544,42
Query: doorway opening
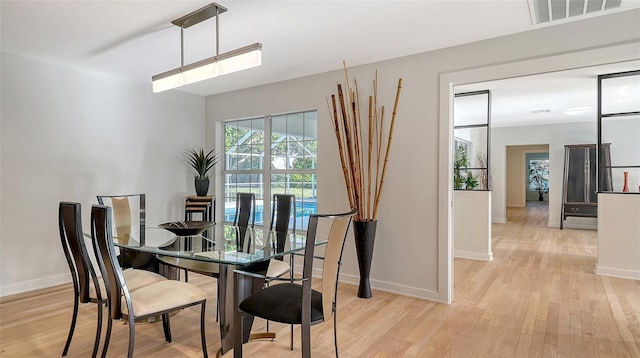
448,81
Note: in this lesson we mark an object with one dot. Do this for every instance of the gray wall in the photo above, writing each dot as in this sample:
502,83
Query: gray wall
406,253
71,135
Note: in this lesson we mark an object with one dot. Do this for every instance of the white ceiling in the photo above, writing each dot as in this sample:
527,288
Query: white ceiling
135,40
556,97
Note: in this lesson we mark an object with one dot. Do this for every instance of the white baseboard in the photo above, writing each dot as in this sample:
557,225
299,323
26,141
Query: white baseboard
499,220
384,286
25,286
395,288
582,226
619,273
473,255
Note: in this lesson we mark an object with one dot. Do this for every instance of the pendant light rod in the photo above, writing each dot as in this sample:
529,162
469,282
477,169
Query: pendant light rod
181,46
217,32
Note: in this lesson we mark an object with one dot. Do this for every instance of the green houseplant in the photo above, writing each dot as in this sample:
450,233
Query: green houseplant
202,163
462,179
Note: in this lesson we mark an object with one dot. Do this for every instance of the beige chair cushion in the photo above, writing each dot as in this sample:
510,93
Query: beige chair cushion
277,268
135,279
161,296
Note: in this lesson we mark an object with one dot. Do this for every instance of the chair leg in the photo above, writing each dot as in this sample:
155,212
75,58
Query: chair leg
96,344
291,262
335,332
132,335
73,325
217,304
291,335
306,340
202,331
166,325
108,334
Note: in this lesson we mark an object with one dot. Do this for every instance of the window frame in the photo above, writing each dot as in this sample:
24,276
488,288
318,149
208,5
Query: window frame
265,174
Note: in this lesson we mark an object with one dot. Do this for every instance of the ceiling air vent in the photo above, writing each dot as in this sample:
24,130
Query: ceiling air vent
543,11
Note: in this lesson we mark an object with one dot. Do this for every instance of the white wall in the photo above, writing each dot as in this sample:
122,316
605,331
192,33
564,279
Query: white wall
618,226
71,135
408,256
472,229
516,173
557,136
622,135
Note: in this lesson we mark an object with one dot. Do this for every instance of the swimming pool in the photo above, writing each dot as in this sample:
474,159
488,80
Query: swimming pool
303,210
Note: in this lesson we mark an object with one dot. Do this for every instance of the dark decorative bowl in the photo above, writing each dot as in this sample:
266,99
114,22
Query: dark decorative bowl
187,228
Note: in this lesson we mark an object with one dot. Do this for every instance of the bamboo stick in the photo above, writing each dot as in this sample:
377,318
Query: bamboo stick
380,128
386,156
364,182
350,147
359,156
369,153
353,123
336,127
348,134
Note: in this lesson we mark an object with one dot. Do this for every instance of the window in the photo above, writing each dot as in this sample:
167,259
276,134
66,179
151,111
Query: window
472,138
289,141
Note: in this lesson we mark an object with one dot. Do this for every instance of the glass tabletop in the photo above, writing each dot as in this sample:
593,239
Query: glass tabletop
221,243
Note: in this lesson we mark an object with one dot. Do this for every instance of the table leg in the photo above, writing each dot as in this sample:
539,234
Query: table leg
235,328
226,288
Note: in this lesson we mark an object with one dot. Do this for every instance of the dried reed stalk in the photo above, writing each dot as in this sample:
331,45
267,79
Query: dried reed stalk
386,155
364,166
336,127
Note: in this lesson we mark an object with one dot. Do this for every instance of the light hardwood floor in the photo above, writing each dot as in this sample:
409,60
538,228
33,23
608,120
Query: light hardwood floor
538,298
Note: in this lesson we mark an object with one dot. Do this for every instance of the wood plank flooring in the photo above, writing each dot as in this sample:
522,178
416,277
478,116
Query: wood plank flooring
538,298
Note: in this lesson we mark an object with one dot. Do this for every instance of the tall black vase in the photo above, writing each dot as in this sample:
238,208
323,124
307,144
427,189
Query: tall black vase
202,186
365,236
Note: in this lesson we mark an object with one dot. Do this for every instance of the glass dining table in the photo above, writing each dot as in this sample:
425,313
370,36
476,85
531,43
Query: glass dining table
231,247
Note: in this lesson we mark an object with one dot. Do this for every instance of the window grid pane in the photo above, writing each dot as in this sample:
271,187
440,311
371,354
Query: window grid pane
291,169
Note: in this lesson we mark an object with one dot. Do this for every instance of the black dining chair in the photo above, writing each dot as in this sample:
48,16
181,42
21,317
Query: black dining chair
158,298
82,272
245,216
283,206
83,275
124,220
283,210
296,302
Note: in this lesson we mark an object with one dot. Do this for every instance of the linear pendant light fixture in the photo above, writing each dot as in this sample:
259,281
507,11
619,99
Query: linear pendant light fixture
218,65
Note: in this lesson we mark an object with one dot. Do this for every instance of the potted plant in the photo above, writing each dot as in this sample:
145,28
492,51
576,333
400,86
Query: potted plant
462,179
364,143
201,162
